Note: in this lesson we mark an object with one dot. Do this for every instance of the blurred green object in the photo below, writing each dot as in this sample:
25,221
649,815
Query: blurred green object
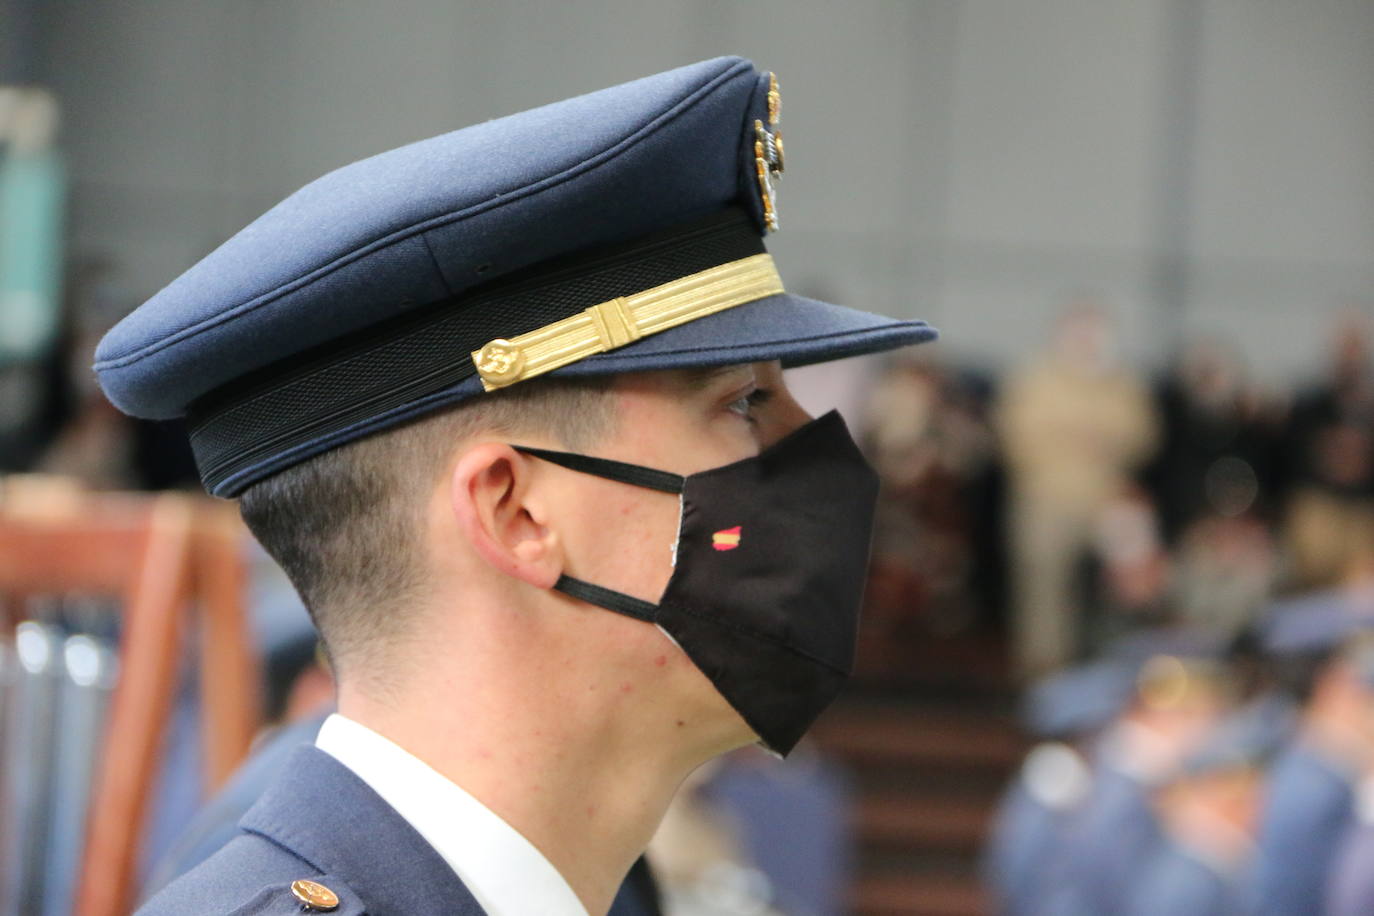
32,188
32,193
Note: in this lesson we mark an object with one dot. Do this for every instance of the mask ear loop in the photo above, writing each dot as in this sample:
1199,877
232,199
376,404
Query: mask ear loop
633,474
621,472
608,599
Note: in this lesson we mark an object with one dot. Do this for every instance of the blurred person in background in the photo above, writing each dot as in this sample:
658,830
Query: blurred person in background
1350,885
1225,570
1075,425
94,444
1217,479
793,821
1215,580
1350,888
1324,654
701,861
1220,443
929,439
1176,703
1127,572
78,434
1331,447
1068,713
1203,862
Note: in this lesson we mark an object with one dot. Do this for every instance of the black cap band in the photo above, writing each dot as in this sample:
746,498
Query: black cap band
367,374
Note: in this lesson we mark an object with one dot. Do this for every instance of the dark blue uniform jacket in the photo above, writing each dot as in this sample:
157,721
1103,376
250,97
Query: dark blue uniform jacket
320,822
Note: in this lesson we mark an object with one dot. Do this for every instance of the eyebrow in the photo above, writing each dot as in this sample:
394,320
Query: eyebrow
700,378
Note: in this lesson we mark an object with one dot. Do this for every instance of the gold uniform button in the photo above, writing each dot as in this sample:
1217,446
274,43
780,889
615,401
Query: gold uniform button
314,895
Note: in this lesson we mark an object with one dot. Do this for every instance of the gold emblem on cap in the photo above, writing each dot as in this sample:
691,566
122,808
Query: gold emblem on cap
314,895
625,319
768,154
500,362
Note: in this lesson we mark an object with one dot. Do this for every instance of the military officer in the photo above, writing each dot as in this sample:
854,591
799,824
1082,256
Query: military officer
507,406
1350,888
1350,879
1207,812
1176,702
1068,711
1310,797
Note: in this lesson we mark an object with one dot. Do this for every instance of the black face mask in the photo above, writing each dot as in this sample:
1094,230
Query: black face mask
771,557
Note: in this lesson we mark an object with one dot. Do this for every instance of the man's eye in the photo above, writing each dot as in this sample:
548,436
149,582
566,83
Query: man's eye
746,405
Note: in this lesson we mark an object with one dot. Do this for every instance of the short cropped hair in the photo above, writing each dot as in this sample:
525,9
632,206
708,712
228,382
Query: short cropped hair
347,525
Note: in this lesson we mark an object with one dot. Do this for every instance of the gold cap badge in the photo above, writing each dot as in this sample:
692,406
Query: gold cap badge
769,160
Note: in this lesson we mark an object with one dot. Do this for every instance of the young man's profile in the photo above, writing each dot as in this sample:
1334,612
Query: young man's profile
508,407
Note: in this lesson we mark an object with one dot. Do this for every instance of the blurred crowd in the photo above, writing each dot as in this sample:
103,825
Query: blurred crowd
1190,582
1084,500
1177,773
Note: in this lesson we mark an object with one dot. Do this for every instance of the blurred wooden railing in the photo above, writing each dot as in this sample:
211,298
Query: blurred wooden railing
167,558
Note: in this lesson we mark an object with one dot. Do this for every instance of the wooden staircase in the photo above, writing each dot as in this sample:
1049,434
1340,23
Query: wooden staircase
929,737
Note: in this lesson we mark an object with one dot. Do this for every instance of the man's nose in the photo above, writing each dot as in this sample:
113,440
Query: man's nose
782,415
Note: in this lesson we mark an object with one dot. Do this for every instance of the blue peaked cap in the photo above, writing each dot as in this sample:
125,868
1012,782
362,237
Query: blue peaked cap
1248,737
628,221
1318,622
1081,699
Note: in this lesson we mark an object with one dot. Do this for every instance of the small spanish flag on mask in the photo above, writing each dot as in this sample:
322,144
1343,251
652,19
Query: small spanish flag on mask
727,539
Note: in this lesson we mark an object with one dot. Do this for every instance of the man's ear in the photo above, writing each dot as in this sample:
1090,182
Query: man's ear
490,494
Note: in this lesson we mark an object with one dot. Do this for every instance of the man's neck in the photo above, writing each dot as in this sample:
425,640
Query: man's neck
587,786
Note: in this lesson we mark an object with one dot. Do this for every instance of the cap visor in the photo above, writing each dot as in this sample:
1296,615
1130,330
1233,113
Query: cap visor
796,330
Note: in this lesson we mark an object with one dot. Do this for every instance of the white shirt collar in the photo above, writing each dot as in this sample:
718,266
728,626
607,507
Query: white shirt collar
502,869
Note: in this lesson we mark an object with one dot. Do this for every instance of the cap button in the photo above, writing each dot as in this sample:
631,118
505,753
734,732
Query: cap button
500,361
314,895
